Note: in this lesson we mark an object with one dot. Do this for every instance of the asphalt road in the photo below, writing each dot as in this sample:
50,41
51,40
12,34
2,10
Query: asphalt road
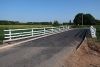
44,52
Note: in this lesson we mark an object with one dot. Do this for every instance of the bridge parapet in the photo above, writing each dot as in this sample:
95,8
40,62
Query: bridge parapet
93,32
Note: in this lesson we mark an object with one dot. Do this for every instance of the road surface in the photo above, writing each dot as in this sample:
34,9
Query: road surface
49,51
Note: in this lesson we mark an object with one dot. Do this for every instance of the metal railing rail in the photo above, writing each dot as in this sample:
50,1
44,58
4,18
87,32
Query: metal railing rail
16,34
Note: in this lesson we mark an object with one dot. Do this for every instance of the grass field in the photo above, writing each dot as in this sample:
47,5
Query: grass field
22,26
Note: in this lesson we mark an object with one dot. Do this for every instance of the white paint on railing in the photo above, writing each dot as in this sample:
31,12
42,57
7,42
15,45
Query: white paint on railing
10,34
32,31
93,32
16,34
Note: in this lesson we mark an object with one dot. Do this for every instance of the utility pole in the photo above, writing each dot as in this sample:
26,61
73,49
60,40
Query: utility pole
82,19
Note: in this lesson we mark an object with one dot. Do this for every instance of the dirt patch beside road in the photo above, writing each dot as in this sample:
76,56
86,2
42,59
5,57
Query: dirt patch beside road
87,55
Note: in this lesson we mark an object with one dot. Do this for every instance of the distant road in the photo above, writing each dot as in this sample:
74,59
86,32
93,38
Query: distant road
43,52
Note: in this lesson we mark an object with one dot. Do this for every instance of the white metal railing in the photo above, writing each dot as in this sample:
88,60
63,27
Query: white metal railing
93,32
16,34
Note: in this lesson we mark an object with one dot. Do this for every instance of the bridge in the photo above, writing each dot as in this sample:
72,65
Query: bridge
42,51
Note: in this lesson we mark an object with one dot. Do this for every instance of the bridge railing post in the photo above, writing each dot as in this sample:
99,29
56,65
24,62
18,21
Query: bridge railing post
93,32
59,29
68,27
52,29
32,31
10,34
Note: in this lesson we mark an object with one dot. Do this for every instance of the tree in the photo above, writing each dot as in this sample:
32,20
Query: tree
56,23
65,23
90,19
97,22
70,22
87,19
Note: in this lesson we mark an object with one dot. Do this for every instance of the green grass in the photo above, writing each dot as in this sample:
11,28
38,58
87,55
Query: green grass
22,26
98,32
1,36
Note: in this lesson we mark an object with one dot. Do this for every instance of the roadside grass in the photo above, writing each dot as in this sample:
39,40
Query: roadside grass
1,36
98,32
22,26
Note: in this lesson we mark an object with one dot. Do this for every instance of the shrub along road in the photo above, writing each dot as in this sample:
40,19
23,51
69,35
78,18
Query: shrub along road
43,52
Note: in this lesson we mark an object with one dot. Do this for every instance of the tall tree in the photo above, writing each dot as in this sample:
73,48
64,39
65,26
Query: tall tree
97,22
56,23
70,22
85,19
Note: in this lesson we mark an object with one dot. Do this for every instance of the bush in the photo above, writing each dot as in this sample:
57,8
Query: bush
1,36
56,23
98,33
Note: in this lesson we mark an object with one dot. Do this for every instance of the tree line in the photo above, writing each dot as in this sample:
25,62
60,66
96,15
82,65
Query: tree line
6,22
80,19
54,23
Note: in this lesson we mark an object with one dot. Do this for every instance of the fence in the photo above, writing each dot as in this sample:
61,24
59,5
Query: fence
93,32
17,34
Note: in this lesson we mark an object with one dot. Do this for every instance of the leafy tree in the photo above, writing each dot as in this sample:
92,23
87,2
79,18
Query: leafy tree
56,23
70,22
65,23
87,19
6,22
97,22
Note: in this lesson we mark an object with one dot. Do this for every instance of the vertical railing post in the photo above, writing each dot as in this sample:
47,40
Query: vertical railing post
52,29
68,27
93,32
32,32
59,29
10,34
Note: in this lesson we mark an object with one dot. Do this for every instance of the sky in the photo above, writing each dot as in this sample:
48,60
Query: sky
47,10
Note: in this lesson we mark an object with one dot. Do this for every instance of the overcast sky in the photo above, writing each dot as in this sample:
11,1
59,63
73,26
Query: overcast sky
47,10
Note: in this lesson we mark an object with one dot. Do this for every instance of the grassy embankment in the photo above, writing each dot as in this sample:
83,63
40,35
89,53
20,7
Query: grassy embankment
98,32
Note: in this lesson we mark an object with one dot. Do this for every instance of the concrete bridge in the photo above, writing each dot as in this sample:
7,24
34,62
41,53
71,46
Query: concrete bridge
48,51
